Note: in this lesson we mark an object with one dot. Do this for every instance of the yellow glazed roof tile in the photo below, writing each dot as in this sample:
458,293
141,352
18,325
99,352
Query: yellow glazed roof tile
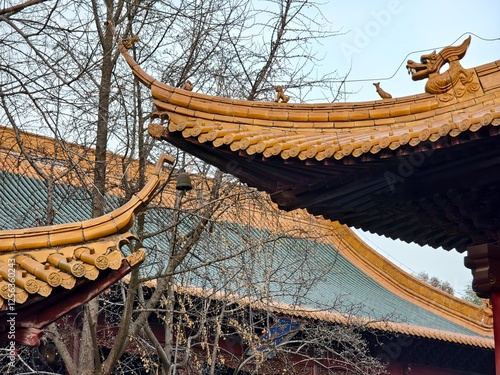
38,260
421,123
399,328
422,114
39,271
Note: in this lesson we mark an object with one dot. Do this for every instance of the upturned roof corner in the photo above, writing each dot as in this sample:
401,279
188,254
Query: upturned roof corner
358,162
68,263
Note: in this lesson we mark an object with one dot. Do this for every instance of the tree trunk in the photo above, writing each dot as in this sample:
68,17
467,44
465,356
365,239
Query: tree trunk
89,359
99,189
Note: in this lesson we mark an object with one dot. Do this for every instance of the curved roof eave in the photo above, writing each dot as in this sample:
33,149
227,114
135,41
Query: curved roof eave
341,160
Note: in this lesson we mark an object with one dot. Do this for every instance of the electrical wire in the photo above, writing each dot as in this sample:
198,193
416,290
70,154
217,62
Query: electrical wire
417,51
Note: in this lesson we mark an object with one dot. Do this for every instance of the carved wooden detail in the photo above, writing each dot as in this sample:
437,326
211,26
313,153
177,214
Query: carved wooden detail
484,262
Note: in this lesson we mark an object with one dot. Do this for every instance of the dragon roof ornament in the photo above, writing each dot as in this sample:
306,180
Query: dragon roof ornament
455,82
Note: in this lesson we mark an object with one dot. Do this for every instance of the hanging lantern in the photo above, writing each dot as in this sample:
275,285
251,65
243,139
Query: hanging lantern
183,182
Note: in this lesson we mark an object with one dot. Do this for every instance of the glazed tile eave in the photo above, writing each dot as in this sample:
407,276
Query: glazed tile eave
347,129
337,160
37,259
389,123
361,133
357,128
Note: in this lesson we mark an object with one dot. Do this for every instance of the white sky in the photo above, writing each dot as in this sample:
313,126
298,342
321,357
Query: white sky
380,35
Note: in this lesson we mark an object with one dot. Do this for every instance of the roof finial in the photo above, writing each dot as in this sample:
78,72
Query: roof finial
281,95
383,94
456,82
128,42
187,86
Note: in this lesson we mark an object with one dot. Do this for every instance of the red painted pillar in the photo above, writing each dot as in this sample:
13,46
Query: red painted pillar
484,262
495,304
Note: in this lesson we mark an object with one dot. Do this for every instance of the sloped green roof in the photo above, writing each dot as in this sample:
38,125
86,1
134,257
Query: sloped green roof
282,262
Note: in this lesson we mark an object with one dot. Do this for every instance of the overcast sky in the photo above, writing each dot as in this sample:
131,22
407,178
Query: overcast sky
380,37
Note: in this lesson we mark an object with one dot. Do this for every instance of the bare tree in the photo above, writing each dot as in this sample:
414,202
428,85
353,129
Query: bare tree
62,77
261,300
470,296
444,285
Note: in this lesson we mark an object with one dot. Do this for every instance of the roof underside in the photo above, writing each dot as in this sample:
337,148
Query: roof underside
442,193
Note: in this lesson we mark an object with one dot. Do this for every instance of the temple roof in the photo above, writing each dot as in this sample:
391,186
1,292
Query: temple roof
45,271
359,274
416,168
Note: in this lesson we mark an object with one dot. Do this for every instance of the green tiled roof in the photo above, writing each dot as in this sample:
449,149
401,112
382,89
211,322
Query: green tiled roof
281,260
23,202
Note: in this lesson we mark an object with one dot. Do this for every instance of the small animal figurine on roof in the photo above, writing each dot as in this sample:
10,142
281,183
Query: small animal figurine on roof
383,94
187,86
281,95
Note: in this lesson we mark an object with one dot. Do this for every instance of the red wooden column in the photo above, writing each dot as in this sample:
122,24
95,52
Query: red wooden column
484,261
495,303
